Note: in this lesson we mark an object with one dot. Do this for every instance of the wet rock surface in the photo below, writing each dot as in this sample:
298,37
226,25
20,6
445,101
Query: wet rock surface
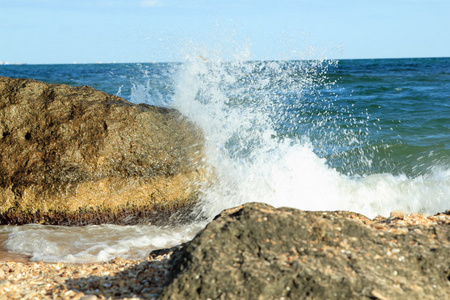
258,252
75,155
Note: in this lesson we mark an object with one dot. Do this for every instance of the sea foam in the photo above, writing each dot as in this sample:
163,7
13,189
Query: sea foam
240,104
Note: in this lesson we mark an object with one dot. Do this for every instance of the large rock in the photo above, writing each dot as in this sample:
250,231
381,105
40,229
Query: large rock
258,252
75,155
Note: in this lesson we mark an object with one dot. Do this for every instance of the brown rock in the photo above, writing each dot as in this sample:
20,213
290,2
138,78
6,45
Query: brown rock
397,214
75,155
258,252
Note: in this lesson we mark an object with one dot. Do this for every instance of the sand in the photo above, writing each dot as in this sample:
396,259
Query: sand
116,279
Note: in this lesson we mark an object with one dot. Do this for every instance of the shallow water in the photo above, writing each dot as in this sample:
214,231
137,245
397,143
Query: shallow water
90,243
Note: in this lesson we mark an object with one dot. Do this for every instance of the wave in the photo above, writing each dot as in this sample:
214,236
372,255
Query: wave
241,107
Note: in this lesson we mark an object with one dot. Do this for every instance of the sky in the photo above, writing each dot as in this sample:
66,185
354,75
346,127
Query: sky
90,31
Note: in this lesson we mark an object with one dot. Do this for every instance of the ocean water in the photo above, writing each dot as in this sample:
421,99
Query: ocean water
370,136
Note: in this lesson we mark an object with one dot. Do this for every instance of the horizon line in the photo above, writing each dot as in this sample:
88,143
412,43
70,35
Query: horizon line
6,63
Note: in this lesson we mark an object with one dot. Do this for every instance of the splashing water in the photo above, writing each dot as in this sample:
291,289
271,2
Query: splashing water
240,105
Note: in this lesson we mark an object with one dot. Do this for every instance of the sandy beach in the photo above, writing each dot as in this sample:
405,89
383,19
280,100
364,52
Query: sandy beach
116,279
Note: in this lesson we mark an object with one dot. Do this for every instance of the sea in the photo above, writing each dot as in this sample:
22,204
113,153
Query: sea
370,136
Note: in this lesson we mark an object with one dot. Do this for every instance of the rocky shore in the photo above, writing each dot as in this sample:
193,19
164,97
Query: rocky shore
258,252
77,156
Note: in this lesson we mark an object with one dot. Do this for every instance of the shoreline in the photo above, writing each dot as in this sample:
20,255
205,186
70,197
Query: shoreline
6,256
397,220
146,278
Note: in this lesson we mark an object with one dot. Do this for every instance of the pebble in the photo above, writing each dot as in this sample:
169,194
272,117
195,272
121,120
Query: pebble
399,221
89,297
116,279
397,214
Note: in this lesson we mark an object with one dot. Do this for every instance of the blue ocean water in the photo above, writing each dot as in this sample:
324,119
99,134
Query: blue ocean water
371,136
396,111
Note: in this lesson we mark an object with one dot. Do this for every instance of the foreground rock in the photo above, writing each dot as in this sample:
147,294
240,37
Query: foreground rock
258,252
75,155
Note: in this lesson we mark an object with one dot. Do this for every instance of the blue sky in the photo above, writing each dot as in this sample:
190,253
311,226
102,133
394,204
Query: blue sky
66,31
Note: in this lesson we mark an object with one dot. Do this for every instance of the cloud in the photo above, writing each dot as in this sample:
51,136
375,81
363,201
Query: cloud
150,3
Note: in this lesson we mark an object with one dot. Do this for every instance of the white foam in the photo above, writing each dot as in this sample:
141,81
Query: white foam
295,177
92,243
251,165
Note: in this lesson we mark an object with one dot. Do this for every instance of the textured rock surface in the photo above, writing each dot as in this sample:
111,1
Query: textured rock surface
75,155
258,252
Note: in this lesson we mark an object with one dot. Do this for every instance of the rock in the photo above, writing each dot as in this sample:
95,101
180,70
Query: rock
258,252
89,297
75,155
397,214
